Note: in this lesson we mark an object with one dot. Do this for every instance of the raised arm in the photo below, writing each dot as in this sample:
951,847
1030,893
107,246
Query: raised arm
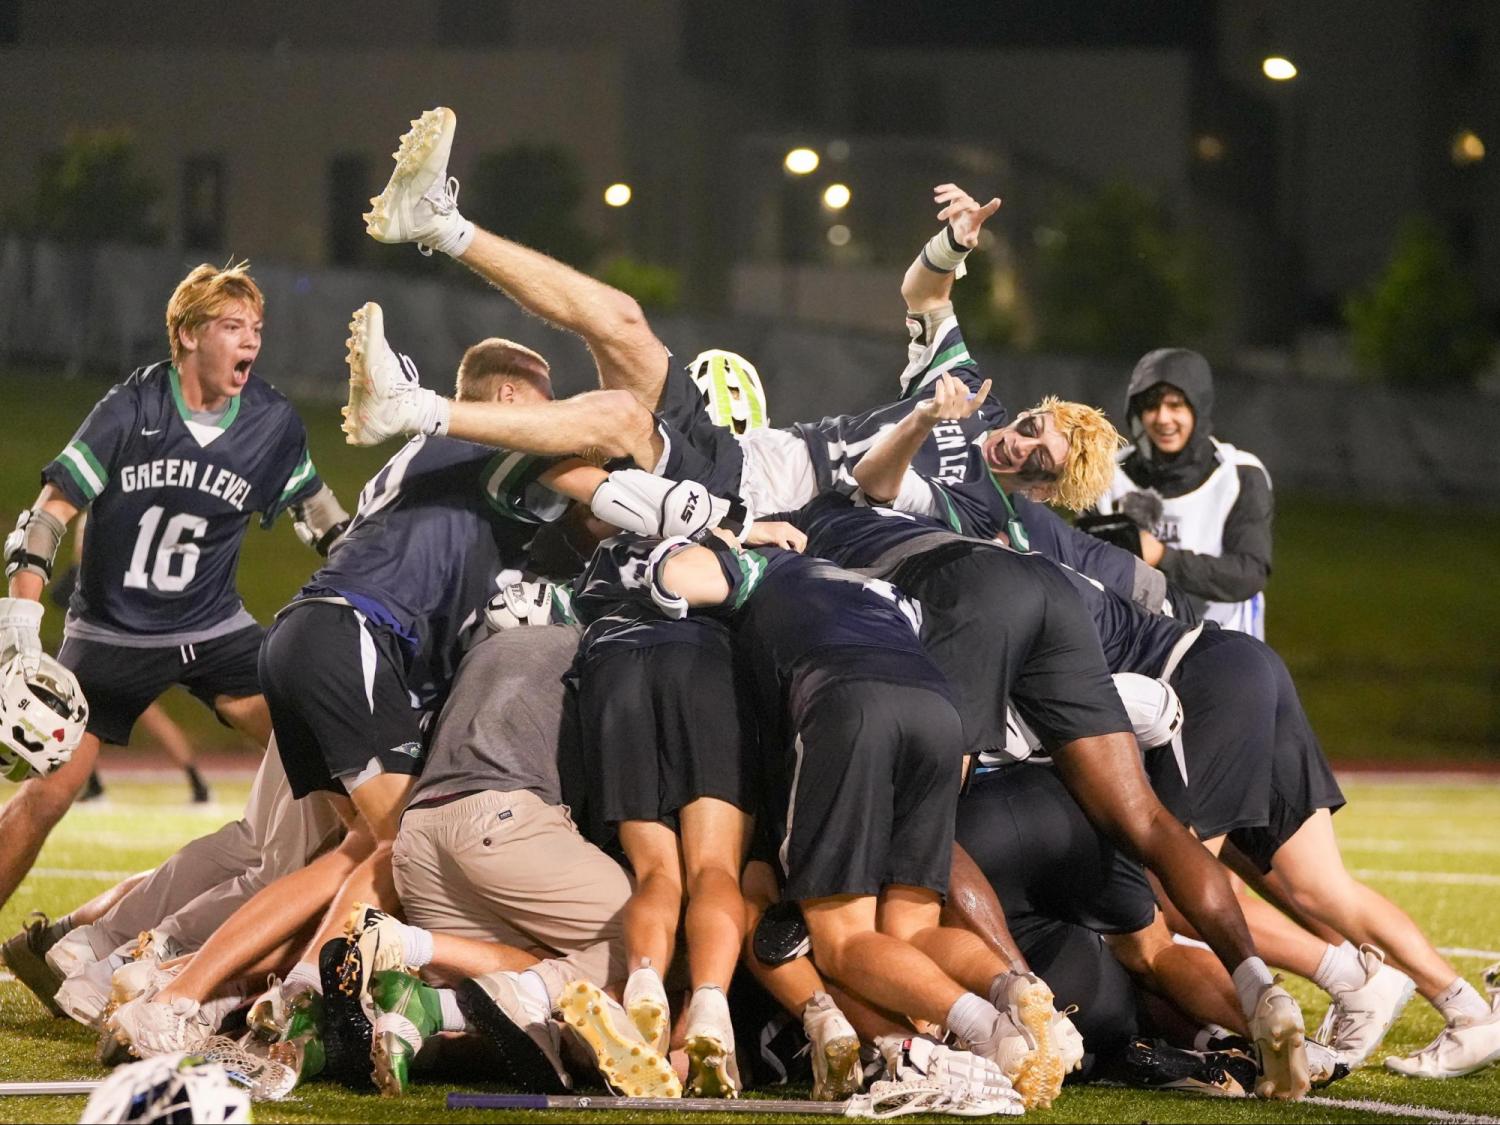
881,471
928,283
29,551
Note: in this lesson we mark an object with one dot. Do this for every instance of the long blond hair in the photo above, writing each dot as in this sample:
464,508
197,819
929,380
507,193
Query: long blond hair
1093,442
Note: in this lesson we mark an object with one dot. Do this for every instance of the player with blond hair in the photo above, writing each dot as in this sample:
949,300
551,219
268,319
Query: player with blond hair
171,463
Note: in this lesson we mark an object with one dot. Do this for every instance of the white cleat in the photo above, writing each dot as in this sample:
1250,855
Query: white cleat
645,998
713,1071
837,1073
920,1060
85,995
153,1029
1023,1042
1464,1046
72,953
420,202
1359,1018
385,399
1280,1035
629,1064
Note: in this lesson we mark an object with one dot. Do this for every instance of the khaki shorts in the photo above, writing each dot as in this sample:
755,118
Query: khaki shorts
508,867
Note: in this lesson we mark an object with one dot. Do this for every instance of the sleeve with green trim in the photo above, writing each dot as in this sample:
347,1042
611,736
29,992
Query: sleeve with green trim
512,485
294,468
943,350
88,462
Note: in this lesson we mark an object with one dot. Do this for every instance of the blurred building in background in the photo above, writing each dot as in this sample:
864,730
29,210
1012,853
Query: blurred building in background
270,125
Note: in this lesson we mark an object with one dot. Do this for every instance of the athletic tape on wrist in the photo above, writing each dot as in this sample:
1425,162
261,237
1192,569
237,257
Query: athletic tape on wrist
945,254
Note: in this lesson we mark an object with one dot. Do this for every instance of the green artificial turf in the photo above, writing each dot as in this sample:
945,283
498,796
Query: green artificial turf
1430,845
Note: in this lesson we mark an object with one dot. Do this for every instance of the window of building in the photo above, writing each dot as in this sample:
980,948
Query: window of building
349,194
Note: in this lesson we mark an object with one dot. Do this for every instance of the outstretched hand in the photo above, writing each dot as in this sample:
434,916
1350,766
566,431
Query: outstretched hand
951,400
962,213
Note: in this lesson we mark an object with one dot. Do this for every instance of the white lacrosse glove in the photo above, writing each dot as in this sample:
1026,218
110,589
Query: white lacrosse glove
20,632
658,508
520,603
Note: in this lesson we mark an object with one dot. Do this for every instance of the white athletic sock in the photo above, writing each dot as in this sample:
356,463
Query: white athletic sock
1460,999
416,946
453,1017
1340,969
972,1018
303,975
1207,1034
1250,980
535,989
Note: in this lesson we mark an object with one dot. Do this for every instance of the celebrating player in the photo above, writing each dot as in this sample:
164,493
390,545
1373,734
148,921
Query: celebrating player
172,462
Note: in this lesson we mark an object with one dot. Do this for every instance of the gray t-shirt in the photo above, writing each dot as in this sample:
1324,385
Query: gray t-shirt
505,723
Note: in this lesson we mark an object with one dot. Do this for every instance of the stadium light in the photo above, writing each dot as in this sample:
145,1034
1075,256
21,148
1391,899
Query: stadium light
617,195
839,235
836,197
801,161
1278,69
1467,148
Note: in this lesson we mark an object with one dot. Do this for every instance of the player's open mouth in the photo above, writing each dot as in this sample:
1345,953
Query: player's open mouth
242,371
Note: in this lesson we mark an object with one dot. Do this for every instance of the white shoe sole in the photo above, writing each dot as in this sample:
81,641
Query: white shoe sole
632,1068
1283,1055
426,135
841,1075
1040,1077
649,1014
712,1071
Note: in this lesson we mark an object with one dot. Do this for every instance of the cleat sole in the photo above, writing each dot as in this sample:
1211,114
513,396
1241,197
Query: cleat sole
650,1019
632,1068
1283,1055
844,1075
383,1067
1040,1077
710,1068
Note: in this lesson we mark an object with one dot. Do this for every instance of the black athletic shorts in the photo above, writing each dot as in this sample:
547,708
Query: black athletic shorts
696,448
1044,857
664,725
1062,883
873,786
1004,626
1255,769
336,685
119,683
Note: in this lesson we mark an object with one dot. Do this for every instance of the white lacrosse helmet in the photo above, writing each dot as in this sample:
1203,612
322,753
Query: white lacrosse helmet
731,387
167,1089
42,718
1154,709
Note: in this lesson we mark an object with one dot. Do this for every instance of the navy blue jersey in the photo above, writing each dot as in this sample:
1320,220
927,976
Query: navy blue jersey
435,528
837,444
1134,639
856,536
171,498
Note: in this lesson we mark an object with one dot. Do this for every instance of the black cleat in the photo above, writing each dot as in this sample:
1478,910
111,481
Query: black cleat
523,1062
201,794
781,935
1154,1064
93,789
347,1030
25,955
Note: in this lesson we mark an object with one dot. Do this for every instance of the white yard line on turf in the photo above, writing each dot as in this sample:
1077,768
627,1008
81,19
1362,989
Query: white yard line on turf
1427,844
80,873
1463,951
1465,879
1421,1113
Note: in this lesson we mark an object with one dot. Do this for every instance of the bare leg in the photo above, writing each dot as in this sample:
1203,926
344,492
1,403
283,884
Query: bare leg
652,914
715,836
913,913
888,971
598,425
161,728
973,905
103,902
29,816
1310,872
1192,979
248,714
626,352
456,959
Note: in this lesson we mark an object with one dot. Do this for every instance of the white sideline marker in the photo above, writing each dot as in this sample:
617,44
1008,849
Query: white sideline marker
1387,1109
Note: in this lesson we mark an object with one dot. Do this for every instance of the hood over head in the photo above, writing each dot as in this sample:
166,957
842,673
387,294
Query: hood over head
1189,373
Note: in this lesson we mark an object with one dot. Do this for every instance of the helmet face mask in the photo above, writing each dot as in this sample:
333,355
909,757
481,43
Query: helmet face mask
731,389
43,717
168,1088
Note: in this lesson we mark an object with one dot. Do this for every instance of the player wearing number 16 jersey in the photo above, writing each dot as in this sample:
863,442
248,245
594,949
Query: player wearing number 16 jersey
172,463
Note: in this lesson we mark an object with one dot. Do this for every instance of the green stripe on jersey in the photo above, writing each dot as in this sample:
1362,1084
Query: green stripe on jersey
84,468
300,476
504,481
752,570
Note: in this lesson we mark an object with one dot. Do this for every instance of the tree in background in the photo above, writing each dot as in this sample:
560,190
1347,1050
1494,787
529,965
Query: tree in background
1114,276
530,193
91,190
1420,322
657,288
